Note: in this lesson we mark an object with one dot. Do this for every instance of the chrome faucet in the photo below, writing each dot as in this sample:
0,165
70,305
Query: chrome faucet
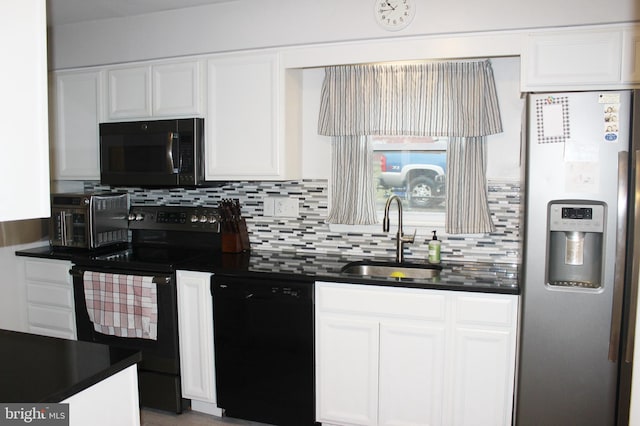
401,240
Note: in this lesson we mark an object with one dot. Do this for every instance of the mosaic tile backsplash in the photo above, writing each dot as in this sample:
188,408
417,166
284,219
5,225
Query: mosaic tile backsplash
309,233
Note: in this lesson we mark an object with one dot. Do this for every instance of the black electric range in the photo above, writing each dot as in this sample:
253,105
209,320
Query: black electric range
162,238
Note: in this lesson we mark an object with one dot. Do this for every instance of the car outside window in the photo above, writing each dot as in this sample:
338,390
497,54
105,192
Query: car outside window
414,168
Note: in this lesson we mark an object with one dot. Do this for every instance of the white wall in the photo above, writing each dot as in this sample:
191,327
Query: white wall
248,24
316,149
503,154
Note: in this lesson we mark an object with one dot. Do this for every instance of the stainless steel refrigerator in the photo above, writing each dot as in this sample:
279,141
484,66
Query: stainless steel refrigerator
580,259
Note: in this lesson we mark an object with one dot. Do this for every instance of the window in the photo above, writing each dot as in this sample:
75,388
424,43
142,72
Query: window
414,169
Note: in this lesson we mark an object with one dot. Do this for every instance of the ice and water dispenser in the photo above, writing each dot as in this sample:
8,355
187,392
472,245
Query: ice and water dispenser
575,244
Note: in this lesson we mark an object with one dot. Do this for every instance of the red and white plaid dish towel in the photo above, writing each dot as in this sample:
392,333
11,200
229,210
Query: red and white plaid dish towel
122,305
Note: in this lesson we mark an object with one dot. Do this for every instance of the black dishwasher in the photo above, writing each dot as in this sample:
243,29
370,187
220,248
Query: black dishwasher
263,333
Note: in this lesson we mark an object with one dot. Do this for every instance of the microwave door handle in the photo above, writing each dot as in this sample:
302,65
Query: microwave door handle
169,153
174,140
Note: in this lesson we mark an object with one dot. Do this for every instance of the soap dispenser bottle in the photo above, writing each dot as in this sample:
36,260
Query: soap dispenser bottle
434,249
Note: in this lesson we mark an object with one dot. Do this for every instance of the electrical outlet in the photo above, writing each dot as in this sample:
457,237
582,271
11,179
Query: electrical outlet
268,206
280,206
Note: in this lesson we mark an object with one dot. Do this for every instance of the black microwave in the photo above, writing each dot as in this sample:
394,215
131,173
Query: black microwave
154,153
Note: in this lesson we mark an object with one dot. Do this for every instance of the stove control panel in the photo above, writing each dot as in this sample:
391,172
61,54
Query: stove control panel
174,218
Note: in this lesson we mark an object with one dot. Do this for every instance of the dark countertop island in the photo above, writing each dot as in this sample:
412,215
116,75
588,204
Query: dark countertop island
458,275
47,369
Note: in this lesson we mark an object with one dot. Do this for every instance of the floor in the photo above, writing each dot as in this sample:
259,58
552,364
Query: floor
149,417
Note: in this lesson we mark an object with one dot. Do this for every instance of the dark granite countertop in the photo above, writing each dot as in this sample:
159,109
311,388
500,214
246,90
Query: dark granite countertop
469,276
461,276
47,369
63,253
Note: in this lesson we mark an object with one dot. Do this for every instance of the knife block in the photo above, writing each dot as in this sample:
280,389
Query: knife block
231,242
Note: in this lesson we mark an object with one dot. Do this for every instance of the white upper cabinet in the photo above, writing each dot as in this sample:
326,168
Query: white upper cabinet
76,110
582,59
569,58
24,179
177,89
159,90
247,137
631,55
129,94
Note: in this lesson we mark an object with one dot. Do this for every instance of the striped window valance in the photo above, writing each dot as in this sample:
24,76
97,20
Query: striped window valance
452,99
456,99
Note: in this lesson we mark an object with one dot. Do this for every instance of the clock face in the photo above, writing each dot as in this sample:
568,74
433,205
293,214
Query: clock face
394,14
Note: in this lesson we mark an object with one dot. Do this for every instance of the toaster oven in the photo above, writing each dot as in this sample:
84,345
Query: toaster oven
88,221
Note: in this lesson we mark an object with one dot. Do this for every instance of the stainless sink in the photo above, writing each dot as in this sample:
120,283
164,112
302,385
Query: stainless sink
391,270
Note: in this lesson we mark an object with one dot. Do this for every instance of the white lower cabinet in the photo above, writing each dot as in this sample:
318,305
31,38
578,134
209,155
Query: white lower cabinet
112,401
195,331
401,356
484,334
411,373
346,369
50,304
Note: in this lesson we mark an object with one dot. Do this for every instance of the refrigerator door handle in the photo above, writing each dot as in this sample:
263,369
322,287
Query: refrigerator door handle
633,281
621,237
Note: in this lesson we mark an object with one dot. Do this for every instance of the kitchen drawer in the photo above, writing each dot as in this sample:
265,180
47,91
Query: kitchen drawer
50,294
387,301
486,309
51,318
48,271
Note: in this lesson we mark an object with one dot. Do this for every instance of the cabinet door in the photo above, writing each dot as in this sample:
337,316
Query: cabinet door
195,328
480,382
631,55
572,59
50,305
176,89
129,92
76,114
483,354
411,374
346,370
242,138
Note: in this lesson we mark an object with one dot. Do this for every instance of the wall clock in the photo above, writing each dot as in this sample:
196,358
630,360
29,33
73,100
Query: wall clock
394,15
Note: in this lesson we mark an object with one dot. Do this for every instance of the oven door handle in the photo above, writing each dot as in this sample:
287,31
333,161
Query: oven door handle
157,279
